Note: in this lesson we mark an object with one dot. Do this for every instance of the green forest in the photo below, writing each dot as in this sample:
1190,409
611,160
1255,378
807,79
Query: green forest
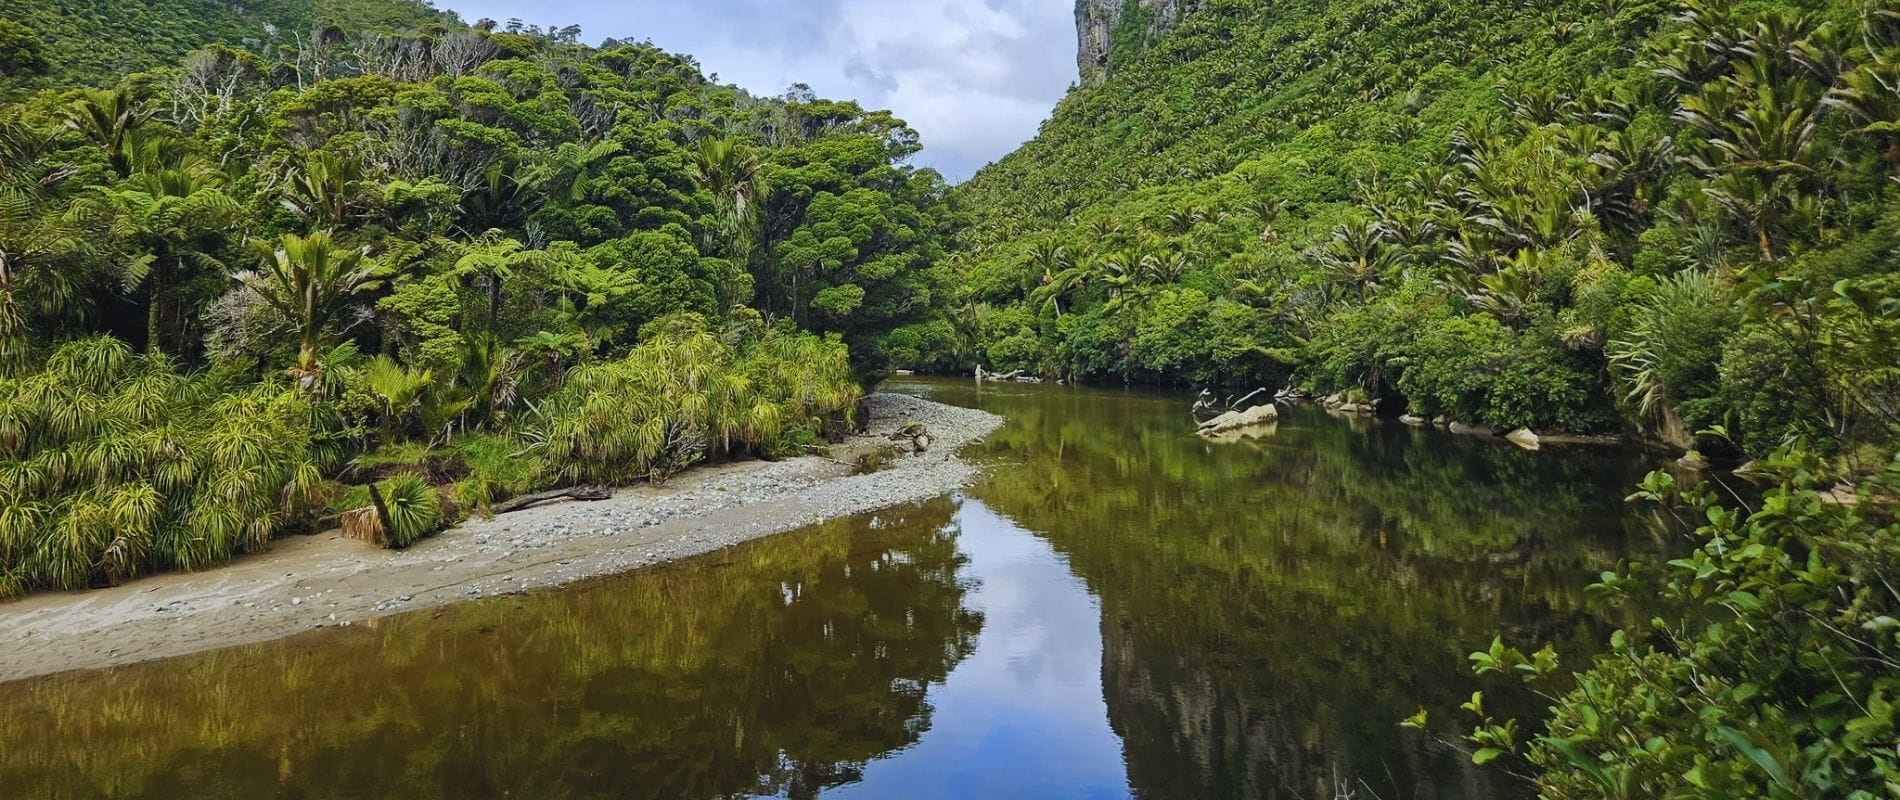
1674,221
1588,217
262,265
269,281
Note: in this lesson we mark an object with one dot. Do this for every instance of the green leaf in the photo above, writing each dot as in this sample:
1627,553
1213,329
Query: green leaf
1756,753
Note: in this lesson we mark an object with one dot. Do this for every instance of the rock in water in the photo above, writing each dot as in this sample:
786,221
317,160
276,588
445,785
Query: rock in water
1415,420
1525,438
1473,430
1235,420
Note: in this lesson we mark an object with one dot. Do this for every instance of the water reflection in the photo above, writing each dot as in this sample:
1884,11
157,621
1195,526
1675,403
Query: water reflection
1119,609
1274,605
779,668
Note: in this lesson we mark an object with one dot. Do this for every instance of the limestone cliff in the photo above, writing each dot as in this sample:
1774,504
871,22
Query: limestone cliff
1109,31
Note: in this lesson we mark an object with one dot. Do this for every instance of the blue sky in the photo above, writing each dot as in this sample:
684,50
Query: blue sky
974,77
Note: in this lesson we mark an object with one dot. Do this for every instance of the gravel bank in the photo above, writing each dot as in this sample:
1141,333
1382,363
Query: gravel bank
317,581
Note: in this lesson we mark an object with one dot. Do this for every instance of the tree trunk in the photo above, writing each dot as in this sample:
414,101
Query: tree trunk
494,303
155,311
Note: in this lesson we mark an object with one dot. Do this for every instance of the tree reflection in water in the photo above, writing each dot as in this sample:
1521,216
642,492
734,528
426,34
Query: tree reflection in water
1267,611
777,668
1273,607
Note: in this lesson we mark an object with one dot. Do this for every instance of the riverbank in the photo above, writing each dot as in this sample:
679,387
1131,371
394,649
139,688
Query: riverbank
326,580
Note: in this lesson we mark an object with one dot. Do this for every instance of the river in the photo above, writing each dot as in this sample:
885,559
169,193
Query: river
1117,609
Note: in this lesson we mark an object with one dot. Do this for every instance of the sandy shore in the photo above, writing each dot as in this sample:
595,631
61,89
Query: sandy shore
316,581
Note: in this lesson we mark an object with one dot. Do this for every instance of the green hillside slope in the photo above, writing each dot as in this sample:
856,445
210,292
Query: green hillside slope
96,41
1576,215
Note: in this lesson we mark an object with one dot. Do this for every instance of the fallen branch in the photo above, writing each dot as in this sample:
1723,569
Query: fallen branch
1237,404
587,493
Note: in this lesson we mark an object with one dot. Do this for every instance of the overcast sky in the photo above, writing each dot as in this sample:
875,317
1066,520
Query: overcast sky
974,77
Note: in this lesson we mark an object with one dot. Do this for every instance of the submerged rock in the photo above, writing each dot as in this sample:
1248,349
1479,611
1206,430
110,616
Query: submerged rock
1473,430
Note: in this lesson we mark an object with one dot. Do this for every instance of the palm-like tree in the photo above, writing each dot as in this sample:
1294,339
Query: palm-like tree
1267,211
109,117
307,279
1061,285
1046,258
172,218
494,258
733,174
1163,268
564,172
1871,95
326,189
46,261
1762,204
1355,255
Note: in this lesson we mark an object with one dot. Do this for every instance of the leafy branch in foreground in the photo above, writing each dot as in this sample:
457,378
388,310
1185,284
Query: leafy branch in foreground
1766,663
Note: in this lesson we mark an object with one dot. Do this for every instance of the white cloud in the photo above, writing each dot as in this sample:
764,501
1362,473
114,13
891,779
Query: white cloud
974,77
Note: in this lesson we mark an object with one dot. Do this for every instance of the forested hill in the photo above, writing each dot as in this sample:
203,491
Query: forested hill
96,42
1576,215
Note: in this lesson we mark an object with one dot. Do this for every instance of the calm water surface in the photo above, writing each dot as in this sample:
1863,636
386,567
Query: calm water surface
1119,609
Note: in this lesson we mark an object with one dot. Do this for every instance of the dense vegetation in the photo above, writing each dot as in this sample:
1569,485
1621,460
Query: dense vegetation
1763,665
99,42
416,272
1677,220
1578,216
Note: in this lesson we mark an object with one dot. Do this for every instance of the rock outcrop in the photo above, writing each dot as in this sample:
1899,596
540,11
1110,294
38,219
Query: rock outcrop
1105,28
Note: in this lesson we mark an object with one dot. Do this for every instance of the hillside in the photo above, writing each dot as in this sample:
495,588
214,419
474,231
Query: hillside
96,42
1583,216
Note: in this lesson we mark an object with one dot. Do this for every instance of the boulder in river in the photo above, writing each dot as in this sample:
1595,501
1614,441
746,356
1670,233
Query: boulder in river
1415,420
1235,420
1525,438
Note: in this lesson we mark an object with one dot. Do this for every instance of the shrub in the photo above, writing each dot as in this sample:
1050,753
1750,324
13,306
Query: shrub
684,395
112,465
1761,372
1476,369
1663,359
1021,350
1765,667
415,510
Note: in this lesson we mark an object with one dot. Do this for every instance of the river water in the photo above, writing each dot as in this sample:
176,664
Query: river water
1118,609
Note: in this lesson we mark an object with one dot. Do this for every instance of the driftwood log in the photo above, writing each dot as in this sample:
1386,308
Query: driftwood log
589,493
1242,402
